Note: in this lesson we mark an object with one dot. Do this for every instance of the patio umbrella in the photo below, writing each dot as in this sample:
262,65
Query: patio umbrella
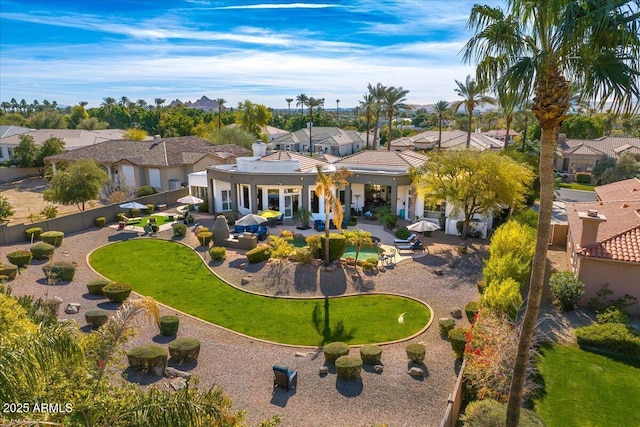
269,213
422,226
190,200
251,219
133,205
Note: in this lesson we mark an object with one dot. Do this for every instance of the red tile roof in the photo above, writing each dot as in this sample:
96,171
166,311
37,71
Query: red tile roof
624,246
627,190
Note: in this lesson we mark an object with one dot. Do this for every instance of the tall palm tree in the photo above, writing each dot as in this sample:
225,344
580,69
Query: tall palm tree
301,101
537,46
367,105
441,108
393,99
377,95
312,103
328,180
289,101
123,101
473,96
159,102
142,103
221,103
107,103
508,101
337,109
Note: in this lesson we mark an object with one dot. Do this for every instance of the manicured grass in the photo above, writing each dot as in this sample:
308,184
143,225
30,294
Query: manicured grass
588,389
365,252
174,275
160,219
576,186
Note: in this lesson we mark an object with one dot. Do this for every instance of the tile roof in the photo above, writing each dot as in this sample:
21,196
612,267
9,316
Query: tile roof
73,138
626,190
307,164
451,140
382,160
322,136
10,130
612,146
164,152
624,246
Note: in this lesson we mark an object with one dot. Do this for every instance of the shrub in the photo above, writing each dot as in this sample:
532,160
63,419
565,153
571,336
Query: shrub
179,230
121,216
52,237
462,249
403,233
61,270
337,246
471,310
95,286
527,217
149,209
117,292
203,207
169,325
370,354
184,349
33,232
218,253
303,255
612,337
446,324
258,254
20,259
458,339
49,211
204,237
503,297
100,221
42,250
348,367
583,178
416,352
335,350
146,357
372,260
613,314
314,244
499,268
514,238
97,317
567,289
145,190
9,271
491,413
366,265
134,212
281,248
482,286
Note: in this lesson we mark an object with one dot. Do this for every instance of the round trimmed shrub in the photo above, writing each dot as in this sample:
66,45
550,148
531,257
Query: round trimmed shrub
97,317
416,352
258,254
52,237
33,233
218,253
370,354
446,324
337,246
403,233
567,289
100,221
62,270
117,292
458,340
204,237
146,357
42,250
169,325
335,350
348,367
9,271
471,310
121,216
145,190
179,230
53,305
489,412
20,259
149,209
95,286
134,212
184,349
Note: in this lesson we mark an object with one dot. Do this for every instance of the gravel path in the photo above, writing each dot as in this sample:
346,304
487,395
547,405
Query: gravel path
242,366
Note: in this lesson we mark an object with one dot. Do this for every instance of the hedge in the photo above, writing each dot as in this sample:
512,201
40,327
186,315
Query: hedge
146,357
33,231
218,253
258,254
52,237
416,352
9,271
97,317
458,340
337,246
612,337
62,270
204,237
334,350
169,325
145,190
100,221
179,230
583,178
370,354
42,250
348,367
184,349
488,412
20,259
95,286
117,292
471,310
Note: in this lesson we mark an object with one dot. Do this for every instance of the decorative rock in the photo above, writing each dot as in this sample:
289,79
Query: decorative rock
72,308
170,372
456,313
301,354
245,280
378,369
438,272
178,383
416,372
323,370
157,370
243,266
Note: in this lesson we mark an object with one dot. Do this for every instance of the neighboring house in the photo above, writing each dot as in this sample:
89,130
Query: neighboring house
581,155
501,134
271,132
325,140
73,138
451,140
161,163
603,246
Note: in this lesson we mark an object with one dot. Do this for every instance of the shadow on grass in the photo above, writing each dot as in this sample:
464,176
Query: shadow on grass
349,388
322,323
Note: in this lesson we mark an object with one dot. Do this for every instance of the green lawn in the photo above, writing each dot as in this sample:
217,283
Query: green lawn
588,389
365,251
576,186
174,275
160,219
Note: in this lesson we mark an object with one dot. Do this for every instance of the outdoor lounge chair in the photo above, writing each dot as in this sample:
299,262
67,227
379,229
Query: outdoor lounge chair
318,224
415,246
262,232
284,377
406,241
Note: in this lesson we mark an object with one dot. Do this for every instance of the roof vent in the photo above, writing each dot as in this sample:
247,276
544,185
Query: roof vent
592,213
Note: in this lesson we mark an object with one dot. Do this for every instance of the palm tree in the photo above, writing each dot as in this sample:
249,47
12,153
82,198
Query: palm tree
377,95
535,46
337,110
358,238
107,103
301,101
441,108
329,178
367,105
159,102
508,102
394,98
142,103
124,101
221,103
289,101
473,96
312,103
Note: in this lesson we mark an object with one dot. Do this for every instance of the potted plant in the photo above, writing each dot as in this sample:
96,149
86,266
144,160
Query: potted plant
303,215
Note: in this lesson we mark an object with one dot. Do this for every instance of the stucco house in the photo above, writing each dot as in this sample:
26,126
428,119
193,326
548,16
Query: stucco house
161,163
581,155
603,245
451,140
325,140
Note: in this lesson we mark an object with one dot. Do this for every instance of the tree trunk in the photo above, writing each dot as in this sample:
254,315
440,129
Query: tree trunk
506,137
469,129
439,132
327,226
390,129
375,131
524,135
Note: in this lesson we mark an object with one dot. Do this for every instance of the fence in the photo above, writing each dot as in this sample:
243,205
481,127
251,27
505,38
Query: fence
14,174
454,402
73,223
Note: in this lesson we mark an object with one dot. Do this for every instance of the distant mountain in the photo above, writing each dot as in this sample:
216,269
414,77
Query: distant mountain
203,103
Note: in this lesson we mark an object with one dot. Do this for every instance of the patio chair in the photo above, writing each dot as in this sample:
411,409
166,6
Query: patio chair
284,377
415,246
251,228
262,232
318,224
239,229
406,241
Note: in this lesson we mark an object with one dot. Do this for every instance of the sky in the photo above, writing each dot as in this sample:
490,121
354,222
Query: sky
263,50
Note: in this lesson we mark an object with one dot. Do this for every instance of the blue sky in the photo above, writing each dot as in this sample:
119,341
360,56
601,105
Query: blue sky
262,50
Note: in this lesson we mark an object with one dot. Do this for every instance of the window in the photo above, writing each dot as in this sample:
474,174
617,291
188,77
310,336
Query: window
226,200
341,196
315,202
245,197
1,153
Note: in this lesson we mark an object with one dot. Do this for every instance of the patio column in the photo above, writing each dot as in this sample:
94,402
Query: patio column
234,197
394,198
347,202
253,196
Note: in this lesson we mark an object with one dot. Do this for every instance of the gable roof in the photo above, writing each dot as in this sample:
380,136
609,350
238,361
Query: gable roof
451,140
307,164
382,160
10,130
322,136
612,146
627,190
177,151
624,246
73,138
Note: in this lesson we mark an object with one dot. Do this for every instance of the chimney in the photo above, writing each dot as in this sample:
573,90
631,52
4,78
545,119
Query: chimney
562,138
590,222
259,148
156,138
